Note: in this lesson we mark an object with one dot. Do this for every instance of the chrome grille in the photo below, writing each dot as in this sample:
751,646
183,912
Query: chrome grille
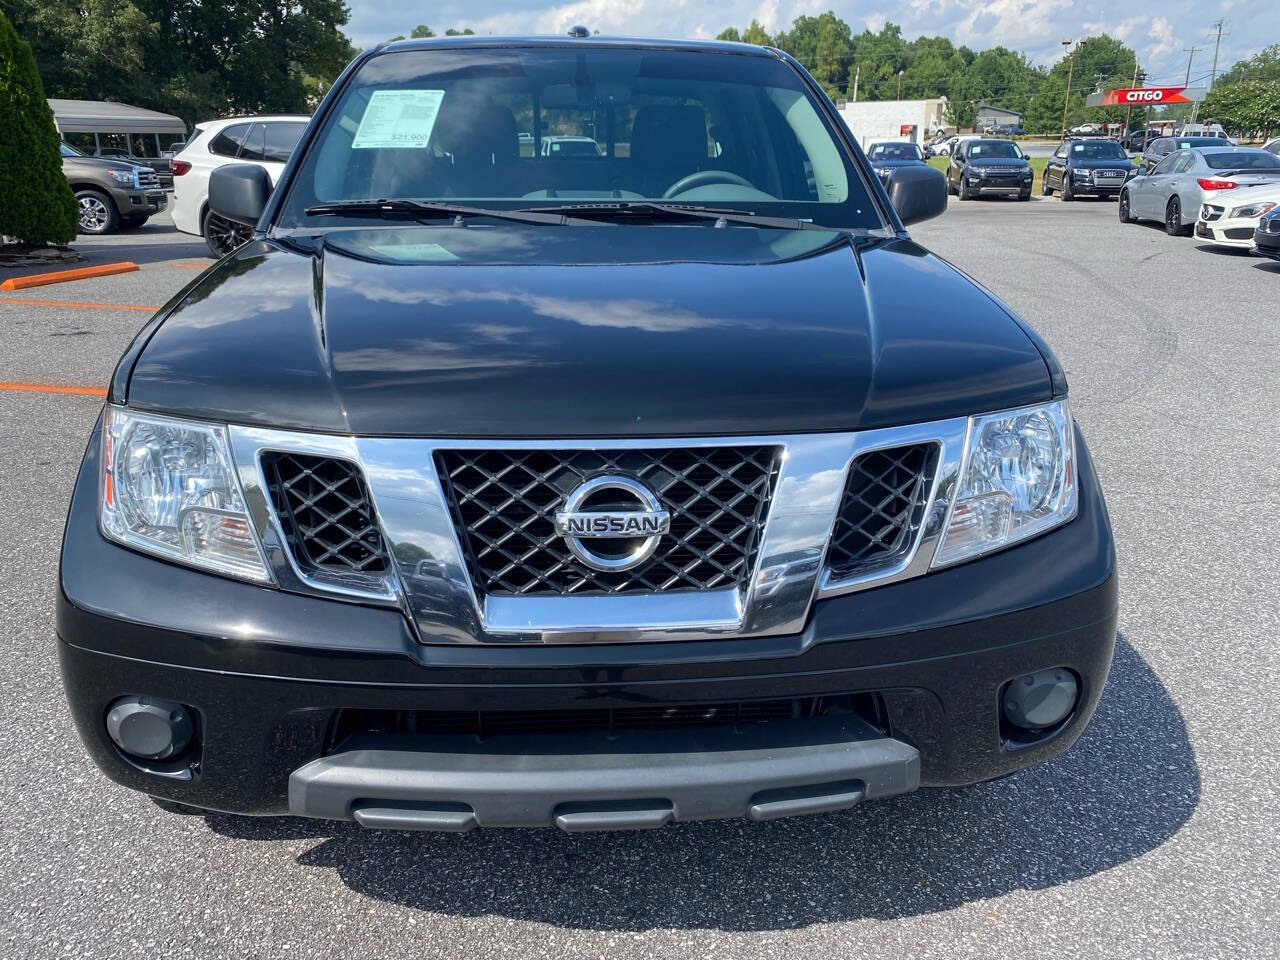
147,179
504,502
881,508
325,512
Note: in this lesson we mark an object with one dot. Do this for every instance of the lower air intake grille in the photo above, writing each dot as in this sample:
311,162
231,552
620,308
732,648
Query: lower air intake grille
883,504
504,503
326,513
487,723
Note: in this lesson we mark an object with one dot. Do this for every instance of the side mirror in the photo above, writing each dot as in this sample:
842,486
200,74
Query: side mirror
917,193
239,192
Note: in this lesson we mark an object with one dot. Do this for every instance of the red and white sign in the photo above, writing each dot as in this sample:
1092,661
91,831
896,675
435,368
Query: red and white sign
1144,96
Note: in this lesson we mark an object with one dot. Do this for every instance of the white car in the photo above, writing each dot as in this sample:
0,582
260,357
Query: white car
1231,216
265,141
566,146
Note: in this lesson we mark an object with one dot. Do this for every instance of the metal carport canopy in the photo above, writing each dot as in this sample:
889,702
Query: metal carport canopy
98,116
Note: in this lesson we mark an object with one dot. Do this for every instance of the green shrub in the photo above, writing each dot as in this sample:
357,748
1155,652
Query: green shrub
37,206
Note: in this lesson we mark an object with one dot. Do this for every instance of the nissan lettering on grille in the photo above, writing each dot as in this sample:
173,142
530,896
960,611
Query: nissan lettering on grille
641,529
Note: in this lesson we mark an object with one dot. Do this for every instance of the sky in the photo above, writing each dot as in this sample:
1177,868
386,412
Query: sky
1160,30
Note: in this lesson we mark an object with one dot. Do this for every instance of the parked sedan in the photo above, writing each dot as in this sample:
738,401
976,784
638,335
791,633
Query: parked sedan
1266,237
1160,147
891,155
1230,217
1096,168
1182,181
985,167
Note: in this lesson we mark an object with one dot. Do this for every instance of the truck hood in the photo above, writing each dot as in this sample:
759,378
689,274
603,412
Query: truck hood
608,331
97,163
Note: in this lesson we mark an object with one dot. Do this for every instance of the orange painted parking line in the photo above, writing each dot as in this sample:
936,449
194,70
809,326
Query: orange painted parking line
62,276
78,304
186,265
55,388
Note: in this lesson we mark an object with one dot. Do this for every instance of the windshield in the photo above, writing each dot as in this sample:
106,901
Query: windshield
1242,160
515,128
986,149
896,151
1100,150
69,151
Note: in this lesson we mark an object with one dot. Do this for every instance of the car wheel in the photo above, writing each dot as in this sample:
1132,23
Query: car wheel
1067,195
132,222
1025,195
963,192
222,235
1173,225
97,212
1045,189
1125,215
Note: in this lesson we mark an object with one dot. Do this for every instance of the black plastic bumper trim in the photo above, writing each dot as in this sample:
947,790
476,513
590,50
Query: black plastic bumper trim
628,780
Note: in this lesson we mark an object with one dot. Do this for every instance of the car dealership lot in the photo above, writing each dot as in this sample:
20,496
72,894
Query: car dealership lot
1154,836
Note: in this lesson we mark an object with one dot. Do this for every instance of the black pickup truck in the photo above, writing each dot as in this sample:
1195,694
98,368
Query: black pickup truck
484,487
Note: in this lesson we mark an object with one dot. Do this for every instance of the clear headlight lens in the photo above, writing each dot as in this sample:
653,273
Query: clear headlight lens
1252,210
169,488
1018,479
121,176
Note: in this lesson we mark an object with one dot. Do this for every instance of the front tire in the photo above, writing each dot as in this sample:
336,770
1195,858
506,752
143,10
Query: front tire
1126,215
223,236
1045,189
1025,195
97,212
1173,224
963,192
1067,195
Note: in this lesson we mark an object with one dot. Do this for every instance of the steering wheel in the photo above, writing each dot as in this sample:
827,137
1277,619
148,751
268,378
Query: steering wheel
704,178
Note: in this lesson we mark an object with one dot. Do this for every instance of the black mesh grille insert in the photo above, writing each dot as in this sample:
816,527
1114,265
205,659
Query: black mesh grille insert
326,512
883,503
504,503
486,723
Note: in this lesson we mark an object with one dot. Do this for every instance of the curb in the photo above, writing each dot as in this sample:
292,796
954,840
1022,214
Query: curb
62,276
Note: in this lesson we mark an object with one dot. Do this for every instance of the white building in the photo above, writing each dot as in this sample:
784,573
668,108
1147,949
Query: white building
873,120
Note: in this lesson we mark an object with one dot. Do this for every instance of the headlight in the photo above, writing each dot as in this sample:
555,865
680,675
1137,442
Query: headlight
169,488
1082,174
1018,479
1252,210
125,177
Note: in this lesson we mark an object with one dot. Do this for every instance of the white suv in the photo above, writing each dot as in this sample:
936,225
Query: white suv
266,141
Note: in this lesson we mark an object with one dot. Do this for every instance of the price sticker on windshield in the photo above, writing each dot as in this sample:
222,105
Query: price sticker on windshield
398,119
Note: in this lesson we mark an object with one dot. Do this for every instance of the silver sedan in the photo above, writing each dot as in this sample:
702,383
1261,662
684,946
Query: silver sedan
1173,191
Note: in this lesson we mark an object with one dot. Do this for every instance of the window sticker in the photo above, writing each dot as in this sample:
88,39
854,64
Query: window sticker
1078,148
398,119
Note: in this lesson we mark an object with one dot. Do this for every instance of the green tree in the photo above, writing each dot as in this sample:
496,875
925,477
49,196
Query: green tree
756,34
1244,107
421,32
1264,65
36,203
454,32
729,33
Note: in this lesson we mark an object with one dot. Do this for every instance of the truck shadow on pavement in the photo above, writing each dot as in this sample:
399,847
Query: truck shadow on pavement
1127,786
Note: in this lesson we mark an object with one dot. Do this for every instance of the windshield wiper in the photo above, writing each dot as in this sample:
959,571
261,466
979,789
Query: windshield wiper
433,209
625,210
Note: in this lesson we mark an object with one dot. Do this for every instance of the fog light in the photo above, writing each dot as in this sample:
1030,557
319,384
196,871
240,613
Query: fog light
1041,700
150,728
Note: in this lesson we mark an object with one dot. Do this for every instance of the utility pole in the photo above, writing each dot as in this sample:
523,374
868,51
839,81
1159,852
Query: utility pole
1191,53
1213,77
1071,65
856,73
1128,111
899,84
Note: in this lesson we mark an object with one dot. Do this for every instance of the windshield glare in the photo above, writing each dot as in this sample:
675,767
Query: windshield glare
896,151
1242,160
1104,150
1002,149
553,126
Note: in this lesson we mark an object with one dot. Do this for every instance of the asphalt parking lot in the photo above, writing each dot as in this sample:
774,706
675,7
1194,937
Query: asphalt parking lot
1154,837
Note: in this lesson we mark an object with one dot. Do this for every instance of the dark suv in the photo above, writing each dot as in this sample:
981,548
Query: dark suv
1087,167
484,487
111,194
980,167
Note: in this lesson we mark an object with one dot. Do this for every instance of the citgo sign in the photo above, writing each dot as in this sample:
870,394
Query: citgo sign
1144,96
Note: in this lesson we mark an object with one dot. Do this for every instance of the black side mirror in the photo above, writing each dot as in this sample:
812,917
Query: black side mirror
917,193
239,192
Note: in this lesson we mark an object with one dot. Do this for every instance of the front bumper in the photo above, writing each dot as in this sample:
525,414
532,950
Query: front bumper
1266,244
1228,233
997,186
266,673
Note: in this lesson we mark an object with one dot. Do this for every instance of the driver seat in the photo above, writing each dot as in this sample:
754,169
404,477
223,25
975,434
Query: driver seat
667,142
